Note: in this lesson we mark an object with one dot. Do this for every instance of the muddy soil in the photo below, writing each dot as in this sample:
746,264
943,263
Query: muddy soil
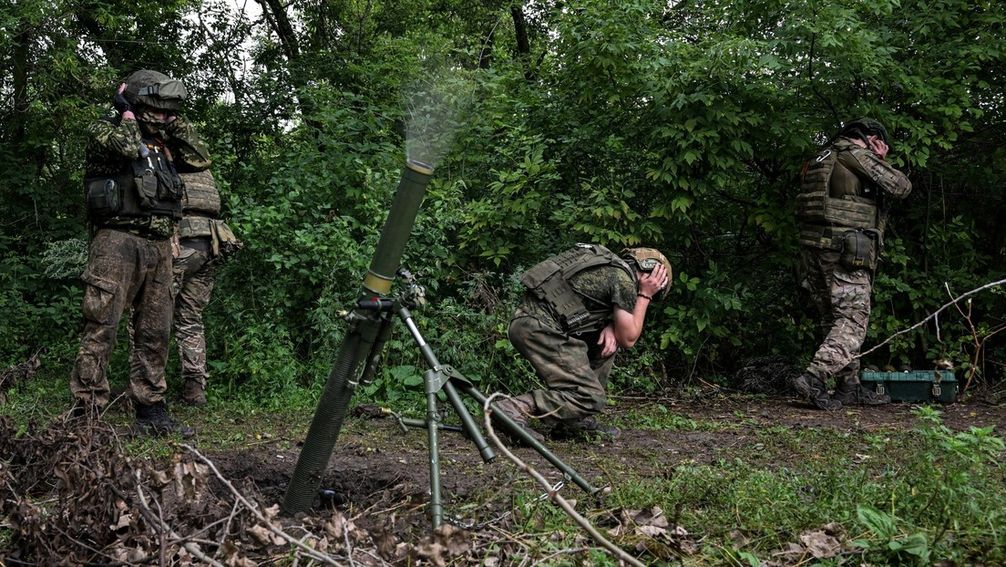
380,475
119,509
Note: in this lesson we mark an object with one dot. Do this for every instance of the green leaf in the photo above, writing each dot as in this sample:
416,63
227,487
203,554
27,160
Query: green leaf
879,523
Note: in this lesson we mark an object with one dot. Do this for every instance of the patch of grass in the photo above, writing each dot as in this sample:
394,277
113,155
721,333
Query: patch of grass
658,418
913,495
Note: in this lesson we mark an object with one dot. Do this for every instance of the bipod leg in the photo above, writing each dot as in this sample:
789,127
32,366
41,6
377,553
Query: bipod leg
432,432
441,377
516,430
471,429
446,377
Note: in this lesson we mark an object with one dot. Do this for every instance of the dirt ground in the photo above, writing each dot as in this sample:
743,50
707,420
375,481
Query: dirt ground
127,504
377,469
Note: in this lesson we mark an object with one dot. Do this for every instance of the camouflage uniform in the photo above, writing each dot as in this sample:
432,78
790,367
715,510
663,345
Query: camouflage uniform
854,180
193,283
129,265
571,365
204,239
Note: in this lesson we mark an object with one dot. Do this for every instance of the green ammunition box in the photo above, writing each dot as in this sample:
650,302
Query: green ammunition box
914,385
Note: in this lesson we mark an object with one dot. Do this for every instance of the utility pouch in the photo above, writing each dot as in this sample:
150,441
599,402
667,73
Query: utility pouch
104,197
224,243
859,250
546,282
146,184
169,187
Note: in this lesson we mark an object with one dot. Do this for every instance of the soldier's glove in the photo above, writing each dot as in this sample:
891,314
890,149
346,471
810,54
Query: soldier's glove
121,104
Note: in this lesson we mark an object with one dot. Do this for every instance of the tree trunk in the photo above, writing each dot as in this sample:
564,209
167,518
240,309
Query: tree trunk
277,17
523,44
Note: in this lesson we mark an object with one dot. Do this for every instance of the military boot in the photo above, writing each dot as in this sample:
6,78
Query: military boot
857,395
518,409
588,428
155,421
815,392
194,393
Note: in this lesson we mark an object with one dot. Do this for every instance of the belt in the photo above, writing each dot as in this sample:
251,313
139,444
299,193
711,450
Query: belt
144,228
823,236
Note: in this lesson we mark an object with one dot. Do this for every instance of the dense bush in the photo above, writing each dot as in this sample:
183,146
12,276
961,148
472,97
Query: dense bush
681,125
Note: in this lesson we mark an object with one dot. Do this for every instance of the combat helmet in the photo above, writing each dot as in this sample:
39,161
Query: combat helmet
155,90
646,260
863,127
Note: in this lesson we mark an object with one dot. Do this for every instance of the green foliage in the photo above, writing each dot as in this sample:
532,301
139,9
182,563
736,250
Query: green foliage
892,546
677,125
912,497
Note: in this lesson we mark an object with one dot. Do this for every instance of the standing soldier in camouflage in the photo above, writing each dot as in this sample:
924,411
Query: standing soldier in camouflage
841,212
203,240
579,307
133,195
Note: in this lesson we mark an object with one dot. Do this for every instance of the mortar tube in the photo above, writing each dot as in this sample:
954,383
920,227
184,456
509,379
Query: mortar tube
359,340
398,227
324,429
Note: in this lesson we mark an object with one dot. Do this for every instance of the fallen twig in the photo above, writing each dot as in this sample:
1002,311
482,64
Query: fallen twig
163,528
307,550
553,495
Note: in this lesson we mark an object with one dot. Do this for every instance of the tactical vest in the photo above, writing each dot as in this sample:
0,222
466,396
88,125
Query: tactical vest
549,281
148,187
200,195
200,205
820,214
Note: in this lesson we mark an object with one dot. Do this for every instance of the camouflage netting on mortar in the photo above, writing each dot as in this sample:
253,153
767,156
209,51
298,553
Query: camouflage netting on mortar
72,496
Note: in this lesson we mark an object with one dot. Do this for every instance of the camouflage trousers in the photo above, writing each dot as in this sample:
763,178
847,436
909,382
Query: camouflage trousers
842,299
193,284
124,271
573,370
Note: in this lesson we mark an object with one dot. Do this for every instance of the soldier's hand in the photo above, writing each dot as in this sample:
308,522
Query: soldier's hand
653,282
879,147
121,104
607,341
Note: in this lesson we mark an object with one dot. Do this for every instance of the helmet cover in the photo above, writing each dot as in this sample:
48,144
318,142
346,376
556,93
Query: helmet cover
155,90
862,127
646,260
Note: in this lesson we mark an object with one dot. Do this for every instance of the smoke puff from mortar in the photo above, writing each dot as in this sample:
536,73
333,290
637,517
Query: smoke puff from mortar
435,109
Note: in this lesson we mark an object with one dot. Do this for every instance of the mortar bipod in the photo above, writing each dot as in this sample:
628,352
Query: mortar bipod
442,377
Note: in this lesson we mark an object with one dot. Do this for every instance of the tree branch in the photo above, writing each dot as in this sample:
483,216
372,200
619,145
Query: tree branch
310,552
931,316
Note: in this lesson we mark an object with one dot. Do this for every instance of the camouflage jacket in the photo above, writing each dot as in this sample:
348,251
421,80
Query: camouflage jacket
608,285
112,143
860,171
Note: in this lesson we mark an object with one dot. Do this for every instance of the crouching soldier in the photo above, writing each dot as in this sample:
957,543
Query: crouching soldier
579,308
133,194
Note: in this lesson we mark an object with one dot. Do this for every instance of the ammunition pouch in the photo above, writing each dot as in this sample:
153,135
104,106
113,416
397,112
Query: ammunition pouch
148,187
859,250
548,281
103,196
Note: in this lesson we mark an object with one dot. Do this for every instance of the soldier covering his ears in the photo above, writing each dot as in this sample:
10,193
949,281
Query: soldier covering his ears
841,212
133,194
579,308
